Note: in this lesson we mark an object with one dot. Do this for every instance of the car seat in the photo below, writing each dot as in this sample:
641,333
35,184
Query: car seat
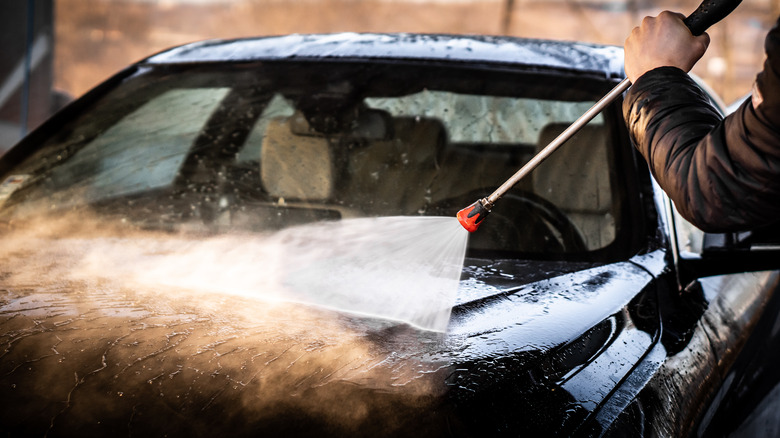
576,178
294,166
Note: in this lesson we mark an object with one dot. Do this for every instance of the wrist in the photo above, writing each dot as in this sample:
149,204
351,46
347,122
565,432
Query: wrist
666,71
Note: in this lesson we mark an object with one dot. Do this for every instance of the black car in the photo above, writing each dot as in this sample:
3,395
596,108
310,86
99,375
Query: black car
586,306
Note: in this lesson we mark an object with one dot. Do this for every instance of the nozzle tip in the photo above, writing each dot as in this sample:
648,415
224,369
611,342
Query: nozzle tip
472,216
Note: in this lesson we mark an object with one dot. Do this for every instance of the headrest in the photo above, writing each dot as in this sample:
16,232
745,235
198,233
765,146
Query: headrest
576,176
298,167
365,123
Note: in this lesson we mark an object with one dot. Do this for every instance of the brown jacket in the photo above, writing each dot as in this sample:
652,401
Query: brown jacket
722,174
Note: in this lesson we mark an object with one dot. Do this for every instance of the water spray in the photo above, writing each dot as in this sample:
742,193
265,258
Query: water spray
708,13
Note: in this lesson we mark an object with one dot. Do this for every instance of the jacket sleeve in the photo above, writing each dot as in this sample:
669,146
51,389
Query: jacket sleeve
722,174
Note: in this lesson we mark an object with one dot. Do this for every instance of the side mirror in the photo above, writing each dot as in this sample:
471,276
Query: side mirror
728,253
761,239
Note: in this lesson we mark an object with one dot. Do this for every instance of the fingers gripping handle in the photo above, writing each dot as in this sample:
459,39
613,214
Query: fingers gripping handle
708,13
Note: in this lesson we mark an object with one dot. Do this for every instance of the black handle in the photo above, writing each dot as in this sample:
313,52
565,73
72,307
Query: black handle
708,13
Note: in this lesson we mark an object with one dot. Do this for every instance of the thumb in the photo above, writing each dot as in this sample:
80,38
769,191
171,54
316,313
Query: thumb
701,43
704,38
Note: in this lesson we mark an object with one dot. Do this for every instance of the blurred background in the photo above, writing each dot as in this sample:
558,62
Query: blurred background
55,50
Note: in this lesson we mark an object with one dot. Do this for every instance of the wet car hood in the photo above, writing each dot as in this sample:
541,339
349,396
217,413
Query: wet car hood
88,356
559,303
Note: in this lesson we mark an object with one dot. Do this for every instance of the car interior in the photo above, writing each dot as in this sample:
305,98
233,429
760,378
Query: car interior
258,159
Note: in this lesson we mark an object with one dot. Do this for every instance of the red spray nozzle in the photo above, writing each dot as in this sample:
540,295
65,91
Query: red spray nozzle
473,215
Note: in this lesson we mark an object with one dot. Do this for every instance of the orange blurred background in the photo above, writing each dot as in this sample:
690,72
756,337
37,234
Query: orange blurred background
96,38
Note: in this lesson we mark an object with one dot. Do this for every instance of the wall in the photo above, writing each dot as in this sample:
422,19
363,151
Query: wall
96,38
25,99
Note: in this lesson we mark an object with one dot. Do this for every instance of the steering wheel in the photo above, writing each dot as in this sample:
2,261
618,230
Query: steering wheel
520,221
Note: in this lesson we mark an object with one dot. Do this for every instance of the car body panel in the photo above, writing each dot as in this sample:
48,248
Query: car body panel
695,373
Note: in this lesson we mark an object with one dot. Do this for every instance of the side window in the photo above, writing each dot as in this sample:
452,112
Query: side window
142,151
689,238
486,119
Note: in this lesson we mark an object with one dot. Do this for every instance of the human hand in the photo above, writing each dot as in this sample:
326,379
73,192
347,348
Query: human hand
662,41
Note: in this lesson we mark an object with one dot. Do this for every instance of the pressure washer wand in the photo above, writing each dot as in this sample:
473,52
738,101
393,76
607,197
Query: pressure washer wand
708,13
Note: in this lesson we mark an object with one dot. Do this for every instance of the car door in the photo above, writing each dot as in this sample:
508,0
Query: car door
721,316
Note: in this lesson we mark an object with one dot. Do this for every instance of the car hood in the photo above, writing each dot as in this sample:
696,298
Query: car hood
91,356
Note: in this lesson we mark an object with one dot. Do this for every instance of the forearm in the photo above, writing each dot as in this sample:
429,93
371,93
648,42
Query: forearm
768,82
668,117
716,171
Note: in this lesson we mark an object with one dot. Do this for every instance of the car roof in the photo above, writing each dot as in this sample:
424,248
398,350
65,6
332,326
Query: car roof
602,59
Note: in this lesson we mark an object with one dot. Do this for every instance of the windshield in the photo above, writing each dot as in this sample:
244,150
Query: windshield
263,146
